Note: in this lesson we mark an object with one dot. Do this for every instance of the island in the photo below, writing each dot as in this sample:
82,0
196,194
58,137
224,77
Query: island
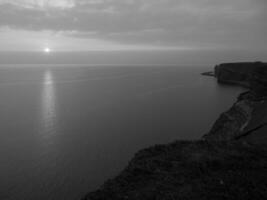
229,162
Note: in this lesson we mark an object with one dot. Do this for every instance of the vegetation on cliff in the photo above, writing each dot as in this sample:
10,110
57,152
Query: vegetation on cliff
191,170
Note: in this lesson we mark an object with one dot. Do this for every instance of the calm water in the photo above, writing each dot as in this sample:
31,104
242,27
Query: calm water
65,129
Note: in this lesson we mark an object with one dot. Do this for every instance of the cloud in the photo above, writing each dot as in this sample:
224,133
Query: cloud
228,23
40,4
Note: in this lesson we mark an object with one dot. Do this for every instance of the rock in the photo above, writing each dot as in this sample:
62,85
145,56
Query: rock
208,74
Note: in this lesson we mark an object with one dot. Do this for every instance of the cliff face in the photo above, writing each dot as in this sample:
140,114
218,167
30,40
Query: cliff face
233,123
230,162
236,73
246,117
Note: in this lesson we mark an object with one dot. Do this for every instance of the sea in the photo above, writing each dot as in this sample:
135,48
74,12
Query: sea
67,128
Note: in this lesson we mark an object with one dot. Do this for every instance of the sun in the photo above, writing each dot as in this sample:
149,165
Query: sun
47,50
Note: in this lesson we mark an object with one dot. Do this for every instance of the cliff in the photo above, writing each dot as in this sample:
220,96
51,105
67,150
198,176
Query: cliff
229,162
249,114
236,73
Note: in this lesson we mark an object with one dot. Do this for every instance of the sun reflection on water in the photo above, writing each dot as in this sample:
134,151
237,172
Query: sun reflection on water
48,105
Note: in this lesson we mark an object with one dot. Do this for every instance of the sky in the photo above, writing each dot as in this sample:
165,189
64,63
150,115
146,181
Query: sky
84,25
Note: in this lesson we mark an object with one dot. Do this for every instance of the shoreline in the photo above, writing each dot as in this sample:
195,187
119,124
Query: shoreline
229,162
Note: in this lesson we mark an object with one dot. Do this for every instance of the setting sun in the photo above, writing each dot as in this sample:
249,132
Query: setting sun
47,50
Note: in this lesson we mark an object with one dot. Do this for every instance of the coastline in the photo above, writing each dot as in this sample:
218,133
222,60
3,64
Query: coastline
229,162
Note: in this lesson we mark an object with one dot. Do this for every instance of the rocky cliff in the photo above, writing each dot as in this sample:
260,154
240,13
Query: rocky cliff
236,73
229,162
249,114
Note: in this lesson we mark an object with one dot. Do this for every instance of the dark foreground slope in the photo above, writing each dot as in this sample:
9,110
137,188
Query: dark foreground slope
230,162
191,170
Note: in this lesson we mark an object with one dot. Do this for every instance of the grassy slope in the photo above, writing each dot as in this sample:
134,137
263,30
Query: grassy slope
192,170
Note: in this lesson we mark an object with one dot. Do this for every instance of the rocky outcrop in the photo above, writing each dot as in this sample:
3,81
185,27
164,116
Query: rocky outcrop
236,73
229,162
208,73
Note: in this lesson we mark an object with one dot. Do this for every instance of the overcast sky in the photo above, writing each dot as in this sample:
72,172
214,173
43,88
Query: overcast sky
65,25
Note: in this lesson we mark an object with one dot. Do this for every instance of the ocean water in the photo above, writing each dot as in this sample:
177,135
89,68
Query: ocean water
65,129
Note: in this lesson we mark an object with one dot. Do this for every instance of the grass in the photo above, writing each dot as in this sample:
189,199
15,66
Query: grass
191,170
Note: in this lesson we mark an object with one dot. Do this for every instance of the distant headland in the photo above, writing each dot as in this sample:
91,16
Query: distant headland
229,162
